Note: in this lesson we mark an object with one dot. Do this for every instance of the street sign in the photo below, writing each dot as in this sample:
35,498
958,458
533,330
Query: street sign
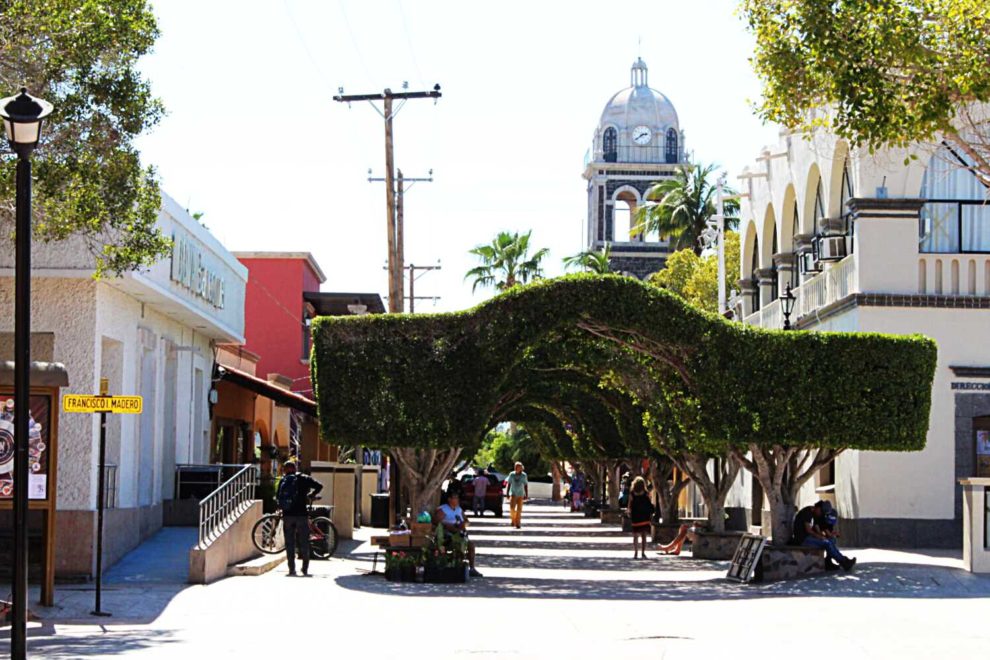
91,403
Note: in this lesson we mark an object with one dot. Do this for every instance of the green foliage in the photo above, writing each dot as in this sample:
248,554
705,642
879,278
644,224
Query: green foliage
506,262
678,208
502,448
82,55
695,278
879,73
587,362
592,261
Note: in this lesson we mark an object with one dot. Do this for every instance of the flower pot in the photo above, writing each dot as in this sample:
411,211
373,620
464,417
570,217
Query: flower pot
444,575
401,573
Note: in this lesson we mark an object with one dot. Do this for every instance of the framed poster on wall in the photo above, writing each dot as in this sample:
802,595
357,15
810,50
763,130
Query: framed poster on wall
39,447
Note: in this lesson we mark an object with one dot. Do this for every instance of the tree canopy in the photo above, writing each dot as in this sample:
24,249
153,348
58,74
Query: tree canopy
443,380
695,278
82,55
878,72
506,262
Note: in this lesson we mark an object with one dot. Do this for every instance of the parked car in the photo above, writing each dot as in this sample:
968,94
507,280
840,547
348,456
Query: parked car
493,494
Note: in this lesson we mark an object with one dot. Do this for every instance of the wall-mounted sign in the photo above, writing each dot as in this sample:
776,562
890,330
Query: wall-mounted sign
38,444
970,386
190,270
91,403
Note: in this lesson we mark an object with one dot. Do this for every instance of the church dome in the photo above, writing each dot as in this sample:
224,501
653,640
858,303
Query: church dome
639,124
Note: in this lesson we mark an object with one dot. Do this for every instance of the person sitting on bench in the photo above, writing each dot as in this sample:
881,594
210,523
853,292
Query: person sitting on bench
813,528
452,517
684,533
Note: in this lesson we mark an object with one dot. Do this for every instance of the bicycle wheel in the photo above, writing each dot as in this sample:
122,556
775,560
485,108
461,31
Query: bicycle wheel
267,534
322,537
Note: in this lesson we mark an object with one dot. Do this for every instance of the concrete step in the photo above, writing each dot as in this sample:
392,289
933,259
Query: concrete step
256,566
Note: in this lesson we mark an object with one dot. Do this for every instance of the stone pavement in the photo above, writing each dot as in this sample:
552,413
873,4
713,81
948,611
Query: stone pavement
563,586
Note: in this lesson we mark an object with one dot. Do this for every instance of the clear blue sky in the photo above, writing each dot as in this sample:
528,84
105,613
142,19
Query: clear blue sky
253,139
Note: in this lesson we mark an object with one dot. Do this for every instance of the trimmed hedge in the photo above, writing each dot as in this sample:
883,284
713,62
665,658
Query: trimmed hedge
442,380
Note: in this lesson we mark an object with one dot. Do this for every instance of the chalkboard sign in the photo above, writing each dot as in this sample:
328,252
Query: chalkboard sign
747,555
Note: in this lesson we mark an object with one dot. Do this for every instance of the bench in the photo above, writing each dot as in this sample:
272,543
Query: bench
787,562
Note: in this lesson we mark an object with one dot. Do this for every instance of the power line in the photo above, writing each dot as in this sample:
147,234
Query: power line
354,42
305,46
412,51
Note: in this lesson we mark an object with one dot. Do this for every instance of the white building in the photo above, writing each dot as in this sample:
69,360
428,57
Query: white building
151,333
900,249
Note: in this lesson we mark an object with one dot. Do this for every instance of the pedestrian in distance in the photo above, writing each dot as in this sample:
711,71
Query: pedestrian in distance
517,490
480,487
293,497
640,513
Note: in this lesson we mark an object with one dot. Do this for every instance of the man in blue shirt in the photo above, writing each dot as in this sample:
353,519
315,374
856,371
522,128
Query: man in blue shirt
517,490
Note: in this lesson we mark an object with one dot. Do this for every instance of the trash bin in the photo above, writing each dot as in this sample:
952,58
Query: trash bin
379,510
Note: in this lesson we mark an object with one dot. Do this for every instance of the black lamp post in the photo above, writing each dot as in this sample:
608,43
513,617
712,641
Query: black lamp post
787,305
22,116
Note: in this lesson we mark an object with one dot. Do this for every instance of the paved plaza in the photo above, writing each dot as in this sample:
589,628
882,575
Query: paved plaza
563,586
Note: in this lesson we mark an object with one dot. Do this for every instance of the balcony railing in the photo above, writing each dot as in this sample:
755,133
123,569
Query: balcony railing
829,286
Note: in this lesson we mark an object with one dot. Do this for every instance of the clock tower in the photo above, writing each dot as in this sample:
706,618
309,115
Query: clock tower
638,142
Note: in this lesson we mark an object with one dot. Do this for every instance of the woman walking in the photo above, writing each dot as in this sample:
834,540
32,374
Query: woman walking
640,512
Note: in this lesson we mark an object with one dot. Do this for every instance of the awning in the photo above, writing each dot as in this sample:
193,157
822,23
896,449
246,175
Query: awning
266,389
43,374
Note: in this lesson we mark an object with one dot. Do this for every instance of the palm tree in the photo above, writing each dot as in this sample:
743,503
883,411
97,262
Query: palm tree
679,207
592,261
506,262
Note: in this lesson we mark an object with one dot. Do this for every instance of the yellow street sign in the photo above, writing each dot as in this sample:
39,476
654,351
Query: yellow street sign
90,403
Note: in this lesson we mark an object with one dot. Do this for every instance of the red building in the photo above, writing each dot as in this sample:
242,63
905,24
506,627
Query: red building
283,294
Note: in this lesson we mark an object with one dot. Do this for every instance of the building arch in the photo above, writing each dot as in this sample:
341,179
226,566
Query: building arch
840,180
610,144
813,208
790,218
625,201
768,233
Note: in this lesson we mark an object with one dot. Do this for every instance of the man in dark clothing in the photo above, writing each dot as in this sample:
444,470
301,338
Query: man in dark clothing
294,493
812,527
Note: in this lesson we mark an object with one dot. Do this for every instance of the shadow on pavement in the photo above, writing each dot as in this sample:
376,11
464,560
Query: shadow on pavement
871,581
550,563
43,642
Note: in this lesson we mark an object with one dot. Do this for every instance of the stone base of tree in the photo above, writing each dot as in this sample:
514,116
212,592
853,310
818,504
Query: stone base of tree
611,516
788,562
715,545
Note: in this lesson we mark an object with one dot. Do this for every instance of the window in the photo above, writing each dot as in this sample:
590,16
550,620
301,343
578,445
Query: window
819,205
610,145
846,193
956,218
753,278
774,273
670,146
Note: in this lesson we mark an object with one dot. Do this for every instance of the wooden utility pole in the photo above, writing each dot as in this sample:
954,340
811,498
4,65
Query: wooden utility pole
412,268
392,198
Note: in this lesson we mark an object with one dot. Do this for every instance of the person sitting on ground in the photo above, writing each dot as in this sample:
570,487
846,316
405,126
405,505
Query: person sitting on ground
684,533
808,531
640,513
452,517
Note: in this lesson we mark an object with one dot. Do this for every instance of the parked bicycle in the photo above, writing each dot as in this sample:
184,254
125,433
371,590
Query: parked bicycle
268,536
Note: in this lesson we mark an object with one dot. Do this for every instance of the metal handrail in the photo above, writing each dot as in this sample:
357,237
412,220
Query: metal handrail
222,507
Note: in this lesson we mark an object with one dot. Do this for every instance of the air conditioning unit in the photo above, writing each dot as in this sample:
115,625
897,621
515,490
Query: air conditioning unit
832,248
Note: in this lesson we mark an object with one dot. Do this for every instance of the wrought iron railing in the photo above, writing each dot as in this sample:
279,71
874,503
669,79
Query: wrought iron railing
196,481
219,509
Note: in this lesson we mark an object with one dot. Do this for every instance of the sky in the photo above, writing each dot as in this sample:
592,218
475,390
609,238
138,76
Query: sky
254,141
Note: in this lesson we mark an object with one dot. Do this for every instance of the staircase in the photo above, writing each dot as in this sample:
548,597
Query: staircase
226,518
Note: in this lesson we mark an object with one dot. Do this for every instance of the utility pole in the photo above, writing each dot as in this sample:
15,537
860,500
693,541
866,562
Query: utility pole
412,268
393,226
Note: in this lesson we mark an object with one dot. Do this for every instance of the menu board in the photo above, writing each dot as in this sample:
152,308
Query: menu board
39,441
983,453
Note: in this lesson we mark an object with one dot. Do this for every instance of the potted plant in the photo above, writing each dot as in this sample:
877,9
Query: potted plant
445,558
400,566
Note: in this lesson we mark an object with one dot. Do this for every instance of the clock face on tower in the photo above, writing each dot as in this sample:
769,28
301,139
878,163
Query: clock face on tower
642,135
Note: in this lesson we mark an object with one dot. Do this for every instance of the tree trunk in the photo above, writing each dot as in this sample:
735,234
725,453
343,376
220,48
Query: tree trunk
613,484
555,471
422,472
782,471
667,486
713,490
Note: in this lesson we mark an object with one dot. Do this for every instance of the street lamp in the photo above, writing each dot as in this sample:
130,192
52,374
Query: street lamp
22,118
787,304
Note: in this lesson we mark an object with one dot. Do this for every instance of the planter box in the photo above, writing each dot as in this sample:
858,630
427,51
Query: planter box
401,574
788,562
448,575
611,516
715,545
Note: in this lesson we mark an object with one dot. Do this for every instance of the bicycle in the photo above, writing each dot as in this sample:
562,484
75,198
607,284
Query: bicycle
268,537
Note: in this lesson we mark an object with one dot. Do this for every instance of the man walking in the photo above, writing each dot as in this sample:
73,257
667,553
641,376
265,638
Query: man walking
517,490
294,493
480,486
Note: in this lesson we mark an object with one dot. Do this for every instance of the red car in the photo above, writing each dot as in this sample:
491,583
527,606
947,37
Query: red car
493,494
